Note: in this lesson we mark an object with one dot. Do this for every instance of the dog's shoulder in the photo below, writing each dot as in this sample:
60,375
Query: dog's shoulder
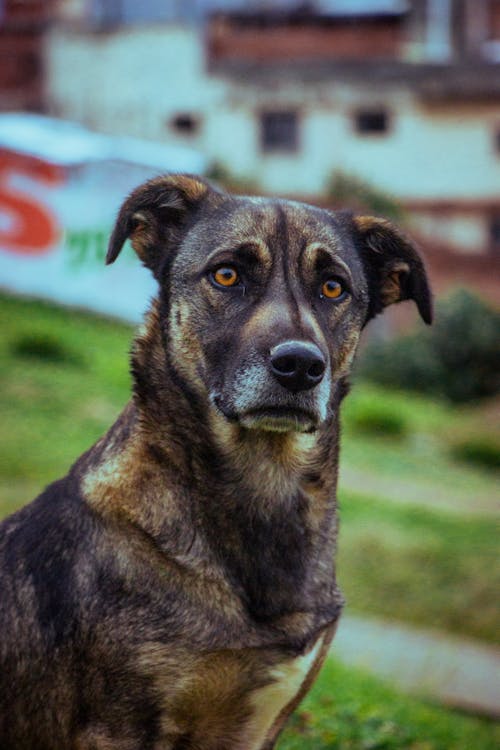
39,545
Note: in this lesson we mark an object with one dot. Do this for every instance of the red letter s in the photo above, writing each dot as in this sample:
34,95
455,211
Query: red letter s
31,228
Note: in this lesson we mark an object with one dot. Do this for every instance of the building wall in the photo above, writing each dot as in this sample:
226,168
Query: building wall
128,82
428,152
21,53
464,230
137,81
447,151
364,39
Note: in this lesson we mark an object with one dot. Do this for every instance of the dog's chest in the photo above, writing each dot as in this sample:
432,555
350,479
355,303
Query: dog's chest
271,701
238,699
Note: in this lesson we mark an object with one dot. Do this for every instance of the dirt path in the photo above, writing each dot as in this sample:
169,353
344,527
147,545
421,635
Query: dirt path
421,491
459,672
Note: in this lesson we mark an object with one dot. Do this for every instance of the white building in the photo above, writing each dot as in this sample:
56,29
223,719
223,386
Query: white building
400,99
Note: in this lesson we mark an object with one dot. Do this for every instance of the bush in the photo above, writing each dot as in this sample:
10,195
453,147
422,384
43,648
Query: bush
43,347
479,451
352,191
222,175
459,358
374,419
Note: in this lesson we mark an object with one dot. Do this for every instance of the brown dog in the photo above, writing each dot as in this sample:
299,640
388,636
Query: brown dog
176,590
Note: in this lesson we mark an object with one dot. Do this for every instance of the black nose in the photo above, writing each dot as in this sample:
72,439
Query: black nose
297,365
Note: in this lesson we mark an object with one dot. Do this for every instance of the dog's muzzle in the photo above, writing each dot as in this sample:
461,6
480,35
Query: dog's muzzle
286,391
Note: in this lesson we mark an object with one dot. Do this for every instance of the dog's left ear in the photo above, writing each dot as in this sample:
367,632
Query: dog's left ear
154,216
394,268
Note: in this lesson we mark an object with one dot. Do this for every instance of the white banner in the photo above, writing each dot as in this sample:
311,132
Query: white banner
56,215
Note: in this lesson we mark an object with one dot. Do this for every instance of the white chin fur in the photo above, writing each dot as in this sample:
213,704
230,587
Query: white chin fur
276,424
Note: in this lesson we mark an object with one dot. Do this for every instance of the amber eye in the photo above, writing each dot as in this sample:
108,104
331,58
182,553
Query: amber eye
225,276
332,289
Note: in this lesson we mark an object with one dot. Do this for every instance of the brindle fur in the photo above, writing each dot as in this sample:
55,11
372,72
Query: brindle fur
151,597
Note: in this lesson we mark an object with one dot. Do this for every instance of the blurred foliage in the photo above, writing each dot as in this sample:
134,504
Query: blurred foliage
458,358
348,709
375,418
44,346
356,193
481,451
222,175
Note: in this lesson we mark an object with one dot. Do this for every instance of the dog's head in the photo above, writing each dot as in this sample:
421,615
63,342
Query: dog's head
266,298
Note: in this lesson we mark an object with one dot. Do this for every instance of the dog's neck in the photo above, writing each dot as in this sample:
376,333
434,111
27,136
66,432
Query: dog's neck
257,501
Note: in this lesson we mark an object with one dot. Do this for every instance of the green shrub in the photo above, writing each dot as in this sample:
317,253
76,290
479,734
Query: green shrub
458,358
374,419
347,189
480,451
43,346
219,173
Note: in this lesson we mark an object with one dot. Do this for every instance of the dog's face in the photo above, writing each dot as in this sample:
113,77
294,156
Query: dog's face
266,298
274,300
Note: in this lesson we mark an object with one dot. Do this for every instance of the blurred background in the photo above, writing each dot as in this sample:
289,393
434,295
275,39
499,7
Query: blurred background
390,107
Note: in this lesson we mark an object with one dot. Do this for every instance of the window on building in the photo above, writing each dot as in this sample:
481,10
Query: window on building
185,123
495,234
279,131
371,121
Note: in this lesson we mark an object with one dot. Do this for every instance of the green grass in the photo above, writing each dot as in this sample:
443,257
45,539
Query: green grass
419,463
350,710
64,380
426,567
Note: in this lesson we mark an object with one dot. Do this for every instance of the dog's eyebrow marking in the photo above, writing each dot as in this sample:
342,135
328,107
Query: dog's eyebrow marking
317,257
252,250
255,251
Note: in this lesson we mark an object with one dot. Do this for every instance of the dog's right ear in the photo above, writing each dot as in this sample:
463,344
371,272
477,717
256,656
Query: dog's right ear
154,215
395,269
